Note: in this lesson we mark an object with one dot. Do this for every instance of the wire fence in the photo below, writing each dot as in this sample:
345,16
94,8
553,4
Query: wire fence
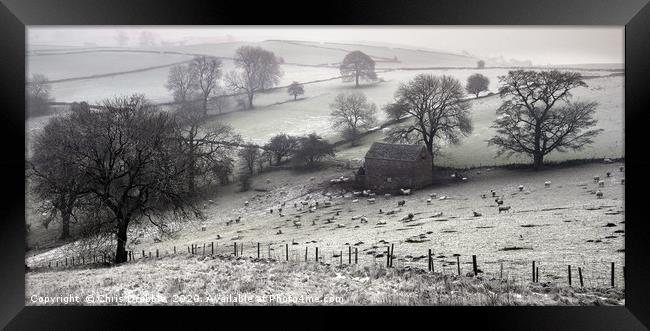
591,273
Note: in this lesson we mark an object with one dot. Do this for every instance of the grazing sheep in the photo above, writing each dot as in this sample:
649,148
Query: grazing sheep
340,225
408,217
444,197
438,214
405,191
547,183
382,222
312,179
246,203
477,214
381,211
608,174
355,200
297,224
429,201
210,201
432,195
601,183
356,193
295,205
279,232
464,178
364,220
599,194
327,203
498,201
401,203
494,194
304,203
607,160
203,228
504,209
337,213
483,196
218,236
596,179
521,188
387,195
237,219
371,200
205,206
313,222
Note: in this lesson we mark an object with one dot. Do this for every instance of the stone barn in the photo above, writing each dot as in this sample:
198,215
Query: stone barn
390,167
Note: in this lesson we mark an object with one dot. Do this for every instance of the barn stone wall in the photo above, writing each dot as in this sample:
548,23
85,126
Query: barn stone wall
402,174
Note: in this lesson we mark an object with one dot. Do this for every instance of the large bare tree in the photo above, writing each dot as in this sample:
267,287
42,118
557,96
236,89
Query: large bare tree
537,116
207,72
281,146
127,152
258,69
357,66
438,110
352,113
182,82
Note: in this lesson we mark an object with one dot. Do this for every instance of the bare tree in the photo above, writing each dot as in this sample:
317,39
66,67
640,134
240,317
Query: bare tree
312,149
438,110
182,83
38,95
357,65
537,116
476,84
352,113
295,89
281,145
55,182
127,152
205,149
207,72
258,69
250,154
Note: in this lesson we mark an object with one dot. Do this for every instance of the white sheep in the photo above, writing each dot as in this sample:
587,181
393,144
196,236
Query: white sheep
355,200
405,191
521,188
371,200
601,183
433,195
382,222
387,195
599,194
429,200
246,203
547,183
596,179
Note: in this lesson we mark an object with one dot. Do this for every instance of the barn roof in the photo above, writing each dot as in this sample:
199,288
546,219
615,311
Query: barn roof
396,152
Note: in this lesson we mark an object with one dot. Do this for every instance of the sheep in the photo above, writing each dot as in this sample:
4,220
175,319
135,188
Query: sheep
477,214
203,228
312,209
210,202
237,219
364,220
279,232
312,179
356,217
295,205
504,209
498,201
494,194
401,203
429,201
356,193
596,179
387,195
547,183
483,196
365,193
599,194
444,197
246,203
313,222
432,195
297,224
327,203
464,179
381,211
382,222
607,160
405,191
268,181
340,225
623,181
205,206
521,188
355,200
218,236
304,203
601,183
229,222
372,195
371,200
608,174
438,214
621,168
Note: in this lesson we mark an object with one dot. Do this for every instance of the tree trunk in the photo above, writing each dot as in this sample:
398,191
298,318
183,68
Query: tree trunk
250,100
477,93
295,96
65,224
205,106
191,173
120,252
538,160
356,77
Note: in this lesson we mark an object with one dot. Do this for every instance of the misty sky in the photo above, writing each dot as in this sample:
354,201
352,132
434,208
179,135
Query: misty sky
541,45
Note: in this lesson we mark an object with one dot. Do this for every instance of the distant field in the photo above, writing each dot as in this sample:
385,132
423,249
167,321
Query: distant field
62,66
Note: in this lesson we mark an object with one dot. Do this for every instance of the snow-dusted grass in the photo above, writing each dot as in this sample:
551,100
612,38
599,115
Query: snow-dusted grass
225,280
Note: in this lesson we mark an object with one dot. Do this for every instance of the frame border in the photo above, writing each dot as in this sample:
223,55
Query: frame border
15,15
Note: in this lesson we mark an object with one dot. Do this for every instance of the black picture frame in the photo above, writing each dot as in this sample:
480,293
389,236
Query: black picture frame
635,15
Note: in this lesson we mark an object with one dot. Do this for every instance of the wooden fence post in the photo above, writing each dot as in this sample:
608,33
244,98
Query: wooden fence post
501,272
387,256
536,274
392,251
474,265
149,254
341,257
349,254
429,259
316,254
258,250
211,248
286,250
580,275
235,246
174,250
242,249
612,274
188,249
157,254
533,271
306,253
458,263
569,269
203,249
356,255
